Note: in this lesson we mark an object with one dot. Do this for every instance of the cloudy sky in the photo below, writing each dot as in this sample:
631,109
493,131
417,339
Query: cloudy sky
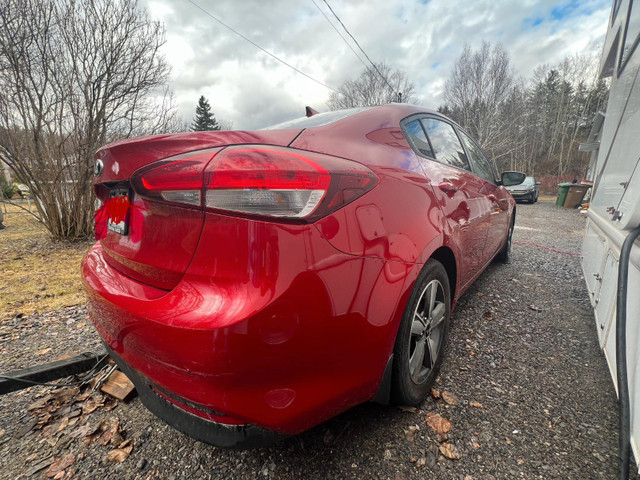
421,37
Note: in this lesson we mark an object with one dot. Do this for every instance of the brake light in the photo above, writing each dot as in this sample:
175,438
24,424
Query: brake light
258,180
177,179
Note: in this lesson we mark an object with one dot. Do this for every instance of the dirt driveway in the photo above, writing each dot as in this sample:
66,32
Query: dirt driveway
528,395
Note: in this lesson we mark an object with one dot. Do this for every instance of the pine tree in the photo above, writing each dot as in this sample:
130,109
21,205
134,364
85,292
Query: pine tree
204,119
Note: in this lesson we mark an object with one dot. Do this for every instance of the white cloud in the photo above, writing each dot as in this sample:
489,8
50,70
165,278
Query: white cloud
250,88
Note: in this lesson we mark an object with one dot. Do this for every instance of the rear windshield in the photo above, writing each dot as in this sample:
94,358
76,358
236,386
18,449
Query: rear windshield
316,120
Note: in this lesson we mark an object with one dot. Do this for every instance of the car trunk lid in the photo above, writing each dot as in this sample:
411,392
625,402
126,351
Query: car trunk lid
148,240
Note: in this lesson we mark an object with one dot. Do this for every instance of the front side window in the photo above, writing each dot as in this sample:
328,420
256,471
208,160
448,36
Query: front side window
446,145
481,165
418,138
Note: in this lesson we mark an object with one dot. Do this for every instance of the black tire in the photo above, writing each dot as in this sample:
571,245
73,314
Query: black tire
422,336
504,255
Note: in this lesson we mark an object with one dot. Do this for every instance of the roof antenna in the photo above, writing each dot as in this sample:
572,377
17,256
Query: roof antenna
310,112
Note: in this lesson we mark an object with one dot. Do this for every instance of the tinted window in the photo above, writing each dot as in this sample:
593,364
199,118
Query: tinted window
445,143
631,33
481,165
418,138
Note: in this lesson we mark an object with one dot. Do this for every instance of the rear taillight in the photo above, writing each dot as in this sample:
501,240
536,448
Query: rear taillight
177,179
256,180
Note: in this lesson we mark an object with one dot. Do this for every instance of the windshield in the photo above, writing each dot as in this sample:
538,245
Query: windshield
316,120
528,181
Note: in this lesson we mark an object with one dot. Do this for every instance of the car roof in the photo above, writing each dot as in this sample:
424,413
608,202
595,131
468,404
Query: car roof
393,112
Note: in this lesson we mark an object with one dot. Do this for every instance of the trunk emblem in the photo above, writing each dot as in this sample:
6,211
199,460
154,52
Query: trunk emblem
98,168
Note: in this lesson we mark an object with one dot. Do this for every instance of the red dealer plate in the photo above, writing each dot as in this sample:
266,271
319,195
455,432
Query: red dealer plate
118,219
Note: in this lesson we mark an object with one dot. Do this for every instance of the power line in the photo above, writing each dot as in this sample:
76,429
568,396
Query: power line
358,45
259,47
338,32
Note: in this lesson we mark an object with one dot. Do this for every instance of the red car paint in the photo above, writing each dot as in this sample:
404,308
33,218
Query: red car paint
280,323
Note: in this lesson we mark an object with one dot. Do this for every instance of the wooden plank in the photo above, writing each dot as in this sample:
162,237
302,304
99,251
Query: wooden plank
118,385
19,379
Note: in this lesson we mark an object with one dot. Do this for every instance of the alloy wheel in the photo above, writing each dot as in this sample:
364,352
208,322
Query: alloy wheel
427,331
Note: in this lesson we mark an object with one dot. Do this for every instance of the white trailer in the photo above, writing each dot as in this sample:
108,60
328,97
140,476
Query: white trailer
614,213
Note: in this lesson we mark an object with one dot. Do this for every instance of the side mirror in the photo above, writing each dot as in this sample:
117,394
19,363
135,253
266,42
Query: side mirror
512,178
538,183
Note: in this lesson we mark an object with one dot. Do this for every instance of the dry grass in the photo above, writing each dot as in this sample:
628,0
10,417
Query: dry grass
36,273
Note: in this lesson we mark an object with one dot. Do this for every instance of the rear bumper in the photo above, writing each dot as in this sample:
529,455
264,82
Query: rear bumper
208,431
282,337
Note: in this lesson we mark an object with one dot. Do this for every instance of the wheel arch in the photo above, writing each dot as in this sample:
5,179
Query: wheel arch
446,257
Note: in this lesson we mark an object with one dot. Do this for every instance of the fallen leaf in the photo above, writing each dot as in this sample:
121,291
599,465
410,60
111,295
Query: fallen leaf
520,461
108,434
110,404
450,398
407,409
450,451
66,394
82,431
475,444
437,423
64,423
435,393
124,444
475,404
119,455
38,404
92,404
31,457
60,475
410,433
421,462
387,454
534,308
44,351
81,325
60,464
83,396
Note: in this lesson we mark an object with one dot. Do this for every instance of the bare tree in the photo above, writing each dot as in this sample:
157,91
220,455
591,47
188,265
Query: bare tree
374,86
480,85
74,76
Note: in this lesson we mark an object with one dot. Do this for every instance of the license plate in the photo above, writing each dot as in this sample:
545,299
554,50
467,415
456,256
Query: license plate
118,211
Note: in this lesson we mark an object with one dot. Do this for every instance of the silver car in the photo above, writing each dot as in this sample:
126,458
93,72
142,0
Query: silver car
526,191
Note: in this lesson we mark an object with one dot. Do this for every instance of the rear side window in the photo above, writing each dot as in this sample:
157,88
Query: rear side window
418,138
481,165
446,145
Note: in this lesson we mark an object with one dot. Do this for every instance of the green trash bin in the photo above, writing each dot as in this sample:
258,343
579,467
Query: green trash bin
563,190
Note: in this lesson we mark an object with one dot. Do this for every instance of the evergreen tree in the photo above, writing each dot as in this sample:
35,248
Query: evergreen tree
204,119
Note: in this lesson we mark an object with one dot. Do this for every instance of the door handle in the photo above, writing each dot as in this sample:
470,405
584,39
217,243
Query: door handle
447,187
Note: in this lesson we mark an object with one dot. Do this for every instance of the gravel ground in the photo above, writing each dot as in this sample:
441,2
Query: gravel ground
534,397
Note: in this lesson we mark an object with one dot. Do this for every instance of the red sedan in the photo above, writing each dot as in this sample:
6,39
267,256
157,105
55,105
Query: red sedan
254,284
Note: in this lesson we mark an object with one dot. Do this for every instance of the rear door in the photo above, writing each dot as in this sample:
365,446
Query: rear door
497,196
458,190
